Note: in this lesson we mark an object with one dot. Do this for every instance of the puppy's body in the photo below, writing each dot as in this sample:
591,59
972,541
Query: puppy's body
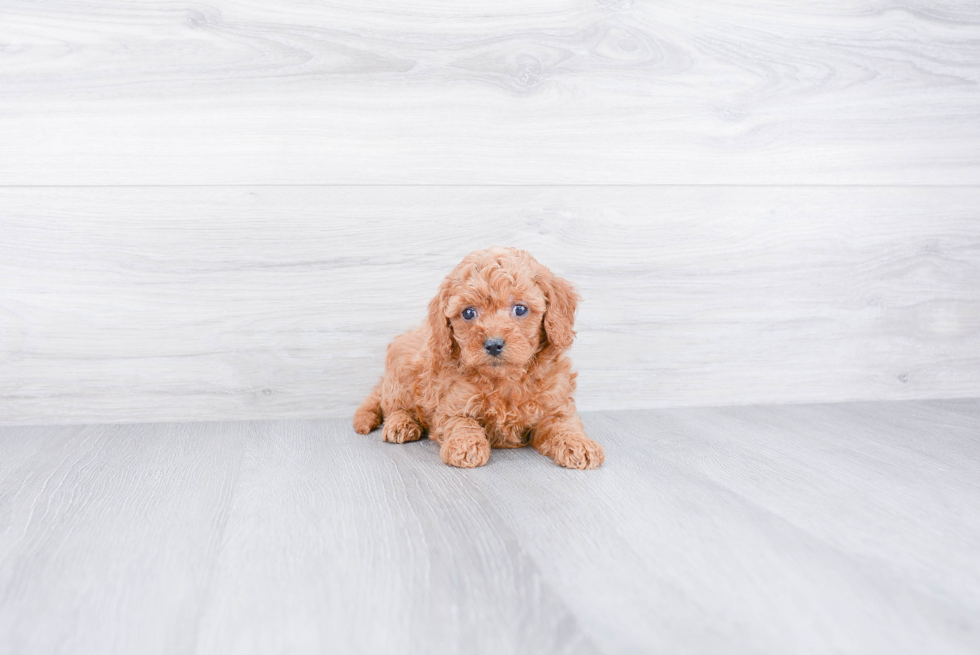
487,369
507,407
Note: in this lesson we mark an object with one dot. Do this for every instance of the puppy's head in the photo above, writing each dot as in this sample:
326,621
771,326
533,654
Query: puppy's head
499,310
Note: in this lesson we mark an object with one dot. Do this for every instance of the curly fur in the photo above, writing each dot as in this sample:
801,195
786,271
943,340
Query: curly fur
439,380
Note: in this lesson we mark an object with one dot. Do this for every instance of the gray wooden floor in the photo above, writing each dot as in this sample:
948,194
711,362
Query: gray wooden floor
807,528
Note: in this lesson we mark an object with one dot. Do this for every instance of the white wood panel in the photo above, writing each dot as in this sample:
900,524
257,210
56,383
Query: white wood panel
806,529
489,92
141,304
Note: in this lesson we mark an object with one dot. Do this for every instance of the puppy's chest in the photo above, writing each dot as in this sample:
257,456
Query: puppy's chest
508,416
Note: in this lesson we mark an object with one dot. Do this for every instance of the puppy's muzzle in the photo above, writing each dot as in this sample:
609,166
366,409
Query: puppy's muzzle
494,346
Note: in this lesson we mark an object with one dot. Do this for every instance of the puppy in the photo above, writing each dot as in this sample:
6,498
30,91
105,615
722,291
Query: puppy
487,369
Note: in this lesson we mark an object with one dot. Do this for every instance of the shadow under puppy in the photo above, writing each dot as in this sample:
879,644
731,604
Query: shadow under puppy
487,369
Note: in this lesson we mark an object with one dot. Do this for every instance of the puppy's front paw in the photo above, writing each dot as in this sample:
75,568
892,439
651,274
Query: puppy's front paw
465,450
401,428
576,452
365,421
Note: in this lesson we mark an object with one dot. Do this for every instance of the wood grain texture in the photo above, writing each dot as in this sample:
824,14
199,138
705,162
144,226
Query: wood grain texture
844,528
360,550
108,535
489,92
151,304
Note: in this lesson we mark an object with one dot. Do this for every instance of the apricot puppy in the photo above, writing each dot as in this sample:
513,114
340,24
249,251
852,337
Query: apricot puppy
487,369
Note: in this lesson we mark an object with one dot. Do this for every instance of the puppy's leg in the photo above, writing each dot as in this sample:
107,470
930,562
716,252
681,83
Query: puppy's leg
463,442
368,415
564,440
400,427
402,417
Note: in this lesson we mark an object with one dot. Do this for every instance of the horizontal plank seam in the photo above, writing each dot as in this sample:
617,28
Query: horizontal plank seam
490,186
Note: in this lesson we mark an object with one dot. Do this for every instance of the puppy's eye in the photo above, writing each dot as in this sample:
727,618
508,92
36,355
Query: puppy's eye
520,310
469,313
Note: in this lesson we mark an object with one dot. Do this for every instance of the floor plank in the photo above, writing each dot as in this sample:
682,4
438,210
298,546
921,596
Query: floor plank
490,92
109,534
784,529
359,550
807,528
176,304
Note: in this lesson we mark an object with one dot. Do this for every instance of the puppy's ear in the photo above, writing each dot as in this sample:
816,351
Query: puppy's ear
441,342
559,317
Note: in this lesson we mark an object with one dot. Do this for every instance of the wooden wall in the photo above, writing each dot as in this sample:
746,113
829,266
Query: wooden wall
227,210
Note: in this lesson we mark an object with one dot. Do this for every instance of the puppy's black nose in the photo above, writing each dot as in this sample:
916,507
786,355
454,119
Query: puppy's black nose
493,345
